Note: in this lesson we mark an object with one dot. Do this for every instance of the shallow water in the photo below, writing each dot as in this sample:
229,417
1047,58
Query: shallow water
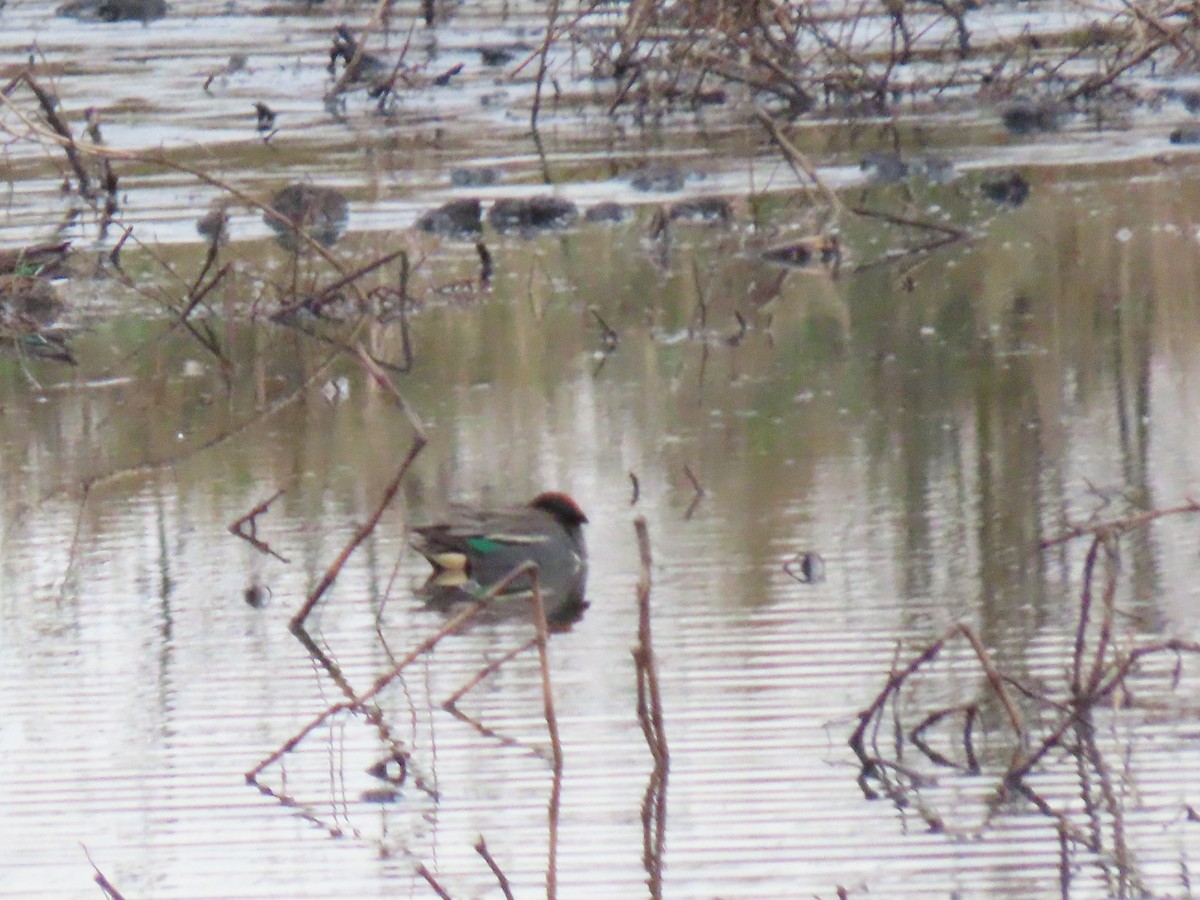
922,442
921,425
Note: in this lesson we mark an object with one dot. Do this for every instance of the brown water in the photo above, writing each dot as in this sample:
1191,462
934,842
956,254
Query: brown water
921,428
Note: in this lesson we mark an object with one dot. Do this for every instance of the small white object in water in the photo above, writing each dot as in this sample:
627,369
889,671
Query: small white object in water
336,389
1124,235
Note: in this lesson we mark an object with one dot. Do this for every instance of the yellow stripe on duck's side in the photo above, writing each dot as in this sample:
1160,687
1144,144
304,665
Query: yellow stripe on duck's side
450,561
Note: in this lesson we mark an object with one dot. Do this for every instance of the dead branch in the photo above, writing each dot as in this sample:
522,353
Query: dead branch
433,882
797,160
105,885
501,880
361,534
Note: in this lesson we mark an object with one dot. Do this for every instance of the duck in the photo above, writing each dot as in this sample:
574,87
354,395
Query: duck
29,308
474,549
319,212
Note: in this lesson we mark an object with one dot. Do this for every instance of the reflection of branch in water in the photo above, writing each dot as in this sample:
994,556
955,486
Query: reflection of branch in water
451,704
358,702
396,750
948,235
238,528
504,740
1094,819
874,766
697,491
650,716
917,736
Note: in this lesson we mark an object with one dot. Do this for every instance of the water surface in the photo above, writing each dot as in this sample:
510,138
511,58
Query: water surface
922,426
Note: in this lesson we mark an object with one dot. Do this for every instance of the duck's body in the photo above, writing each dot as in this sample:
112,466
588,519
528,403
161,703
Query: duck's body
29,308
475,549
319,212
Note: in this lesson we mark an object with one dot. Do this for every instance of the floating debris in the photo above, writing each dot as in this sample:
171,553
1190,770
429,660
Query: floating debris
501,55
884,167
458,218
659,179
1008,189
443,79
1024,117
471,177
517,214
806,567
822,248
1189,135
321,213
113,10
266,117
257,596
608,211
715,210
392,769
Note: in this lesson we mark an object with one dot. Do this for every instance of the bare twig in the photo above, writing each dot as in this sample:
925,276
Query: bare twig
361,534
433,882
796,159
105,885
482,849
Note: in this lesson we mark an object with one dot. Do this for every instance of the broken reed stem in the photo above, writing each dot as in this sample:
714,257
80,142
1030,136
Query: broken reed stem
796,159
643,654
501,879
650,717
1084,705
543,637
361,534
1015,719
1118,527
105,885
48,103
432,882
543,62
